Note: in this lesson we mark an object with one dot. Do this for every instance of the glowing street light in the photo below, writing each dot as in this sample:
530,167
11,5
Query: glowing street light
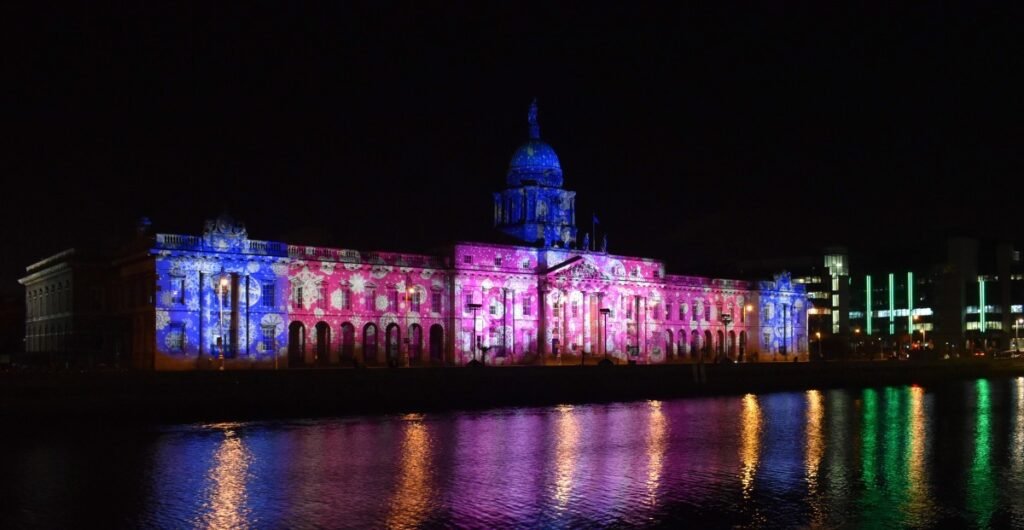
220,299
817,334
474,339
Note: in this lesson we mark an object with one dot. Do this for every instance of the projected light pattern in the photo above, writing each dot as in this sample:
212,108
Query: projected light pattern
224,300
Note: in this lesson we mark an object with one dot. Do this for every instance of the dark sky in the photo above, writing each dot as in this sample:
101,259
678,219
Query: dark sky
698,136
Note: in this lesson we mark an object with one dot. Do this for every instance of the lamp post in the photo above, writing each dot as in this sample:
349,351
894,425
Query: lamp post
924,333
817,335
474,340
1016,335
856,340
220,302
604,341
747,309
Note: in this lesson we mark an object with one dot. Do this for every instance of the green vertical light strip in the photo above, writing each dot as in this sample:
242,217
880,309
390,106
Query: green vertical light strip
981,305
867,310
910,303
892,304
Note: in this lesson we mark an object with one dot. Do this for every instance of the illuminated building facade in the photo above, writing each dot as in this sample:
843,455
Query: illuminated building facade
223,300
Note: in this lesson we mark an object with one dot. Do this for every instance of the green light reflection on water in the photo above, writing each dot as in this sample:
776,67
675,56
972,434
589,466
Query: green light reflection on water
981,495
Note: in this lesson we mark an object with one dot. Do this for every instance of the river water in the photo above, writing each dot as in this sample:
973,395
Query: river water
883,457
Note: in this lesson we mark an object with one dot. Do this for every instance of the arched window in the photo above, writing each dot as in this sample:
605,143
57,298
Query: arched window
415,342
694,343
669,341
708,342
370,343
323,343
296,344
743,344
348,341
393,341
732,345
720,345
436,343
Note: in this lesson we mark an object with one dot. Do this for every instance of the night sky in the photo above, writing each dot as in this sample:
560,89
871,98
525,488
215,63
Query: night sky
696,136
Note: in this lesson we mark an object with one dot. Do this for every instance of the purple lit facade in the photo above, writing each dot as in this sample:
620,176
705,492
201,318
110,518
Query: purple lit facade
224,300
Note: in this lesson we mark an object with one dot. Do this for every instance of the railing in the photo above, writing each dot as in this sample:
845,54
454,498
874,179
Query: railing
176,241
274,248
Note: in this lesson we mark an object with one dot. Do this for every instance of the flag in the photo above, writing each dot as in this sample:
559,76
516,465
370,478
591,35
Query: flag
595,219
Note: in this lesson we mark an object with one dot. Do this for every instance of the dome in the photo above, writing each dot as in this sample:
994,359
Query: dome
535,162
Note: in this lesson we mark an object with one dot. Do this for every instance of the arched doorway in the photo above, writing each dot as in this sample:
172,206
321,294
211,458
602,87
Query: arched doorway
694,343
708,343
436,343
323,343
743,345
669,341
681,348
732,344
348,341
370,343
393,340
720,345
296,344
415,343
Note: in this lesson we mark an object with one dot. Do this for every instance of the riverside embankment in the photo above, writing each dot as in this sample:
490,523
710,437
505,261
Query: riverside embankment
245,395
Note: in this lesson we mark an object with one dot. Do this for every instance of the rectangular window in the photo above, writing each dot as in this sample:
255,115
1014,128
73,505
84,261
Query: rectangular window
467,259
267,295
556,311
494,309
322,293
267,343
346,299
371,296
435,302
629,310
575,309
707,313
655,312
414,301
298,295
526,264
469,300
176,337
178,286
497,261
682,311
393,301
527,306
668,311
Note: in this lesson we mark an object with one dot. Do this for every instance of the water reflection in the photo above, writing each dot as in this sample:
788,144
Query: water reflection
884,457
568,435
981,492
750,443
919,508
656,444
410,503
815,450
226,497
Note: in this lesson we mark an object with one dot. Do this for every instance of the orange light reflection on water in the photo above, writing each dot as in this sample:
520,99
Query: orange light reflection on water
815,449
226,498
750,443
410,504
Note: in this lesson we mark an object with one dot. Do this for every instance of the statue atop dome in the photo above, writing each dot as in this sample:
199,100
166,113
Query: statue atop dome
531,118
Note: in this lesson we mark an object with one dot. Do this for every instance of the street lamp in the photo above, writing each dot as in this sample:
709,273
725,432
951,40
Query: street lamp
817,334
856,341
604,341
1016,335
220,302
474,307
924,332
